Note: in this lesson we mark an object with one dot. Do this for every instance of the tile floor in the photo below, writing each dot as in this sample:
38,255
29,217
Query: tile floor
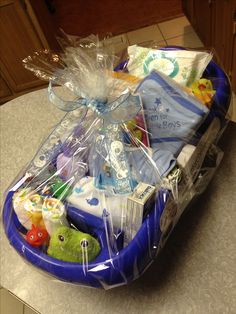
174,32
9,304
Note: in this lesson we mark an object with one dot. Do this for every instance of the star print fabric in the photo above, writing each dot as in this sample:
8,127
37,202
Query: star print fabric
172,115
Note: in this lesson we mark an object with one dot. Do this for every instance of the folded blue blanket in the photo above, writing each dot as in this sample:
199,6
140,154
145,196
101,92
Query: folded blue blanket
151,170
172,115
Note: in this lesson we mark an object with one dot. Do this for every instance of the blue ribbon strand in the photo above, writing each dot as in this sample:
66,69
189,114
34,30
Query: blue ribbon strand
122,109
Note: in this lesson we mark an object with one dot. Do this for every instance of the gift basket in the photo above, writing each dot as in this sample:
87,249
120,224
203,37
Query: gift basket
138,142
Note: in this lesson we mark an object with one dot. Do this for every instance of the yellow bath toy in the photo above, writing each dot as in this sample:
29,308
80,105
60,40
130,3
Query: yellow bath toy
203,90
33,206
132,127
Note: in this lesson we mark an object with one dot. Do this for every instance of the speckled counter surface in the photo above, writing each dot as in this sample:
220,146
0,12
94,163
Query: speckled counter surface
196,271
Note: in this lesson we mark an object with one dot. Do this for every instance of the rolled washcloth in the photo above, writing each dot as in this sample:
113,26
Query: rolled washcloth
28,208
54,214
185,155
172,115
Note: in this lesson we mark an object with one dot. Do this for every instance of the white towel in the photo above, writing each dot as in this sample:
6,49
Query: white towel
93,201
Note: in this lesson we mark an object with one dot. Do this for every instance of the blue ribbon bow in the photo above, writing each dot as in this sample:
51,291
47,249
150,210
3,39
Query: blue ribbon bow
122,109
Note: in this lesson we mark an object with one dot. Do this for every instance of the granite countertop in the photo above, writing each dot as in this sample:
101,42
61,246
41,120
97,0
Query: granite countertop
196,271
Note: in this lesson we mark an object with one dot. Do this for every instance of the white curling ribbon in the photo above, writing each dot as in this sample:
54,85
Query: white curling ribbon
54,214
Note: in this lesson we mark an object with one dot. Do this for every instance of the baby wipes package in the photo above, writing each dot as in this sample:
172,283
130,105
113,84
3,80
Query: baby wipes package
183,66
106,187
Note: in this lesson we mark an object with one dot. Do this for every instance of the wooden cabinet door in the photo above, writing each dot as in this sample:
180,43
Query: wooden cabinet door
223,36
83,18
17,40
202,18
188,9
233,70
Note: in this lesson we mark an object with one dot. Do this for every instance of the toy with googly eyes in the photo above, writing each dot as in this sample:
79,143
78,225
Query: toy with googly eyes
37,236
71,245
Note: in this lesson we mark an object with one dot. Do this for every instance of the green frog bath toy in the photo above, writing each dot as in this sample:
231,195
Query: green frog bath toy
71,245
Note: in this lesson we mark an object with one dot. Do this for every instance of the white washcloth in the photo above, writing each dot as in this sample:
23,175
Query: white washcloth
93,201
185,155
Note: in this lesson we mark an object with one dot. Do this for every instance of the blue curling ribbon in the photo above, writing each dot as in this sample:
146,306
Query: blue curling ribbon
121,110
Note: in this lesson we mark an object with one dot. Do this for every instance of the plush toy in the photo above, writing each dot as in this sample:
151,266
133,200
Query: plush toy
71,245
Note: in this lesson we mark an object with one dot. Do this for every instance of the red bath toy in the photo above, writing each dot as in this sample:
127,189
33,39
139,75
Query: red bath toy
36,236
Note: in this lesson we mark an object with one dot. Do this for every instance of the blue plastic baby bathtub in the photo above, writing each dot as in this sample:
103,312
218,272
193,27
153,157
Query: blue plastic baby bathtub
130,262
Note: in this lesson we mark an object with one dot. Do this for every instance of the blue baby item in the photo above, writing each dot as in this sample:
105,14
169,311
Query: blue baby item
164,162
172,115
